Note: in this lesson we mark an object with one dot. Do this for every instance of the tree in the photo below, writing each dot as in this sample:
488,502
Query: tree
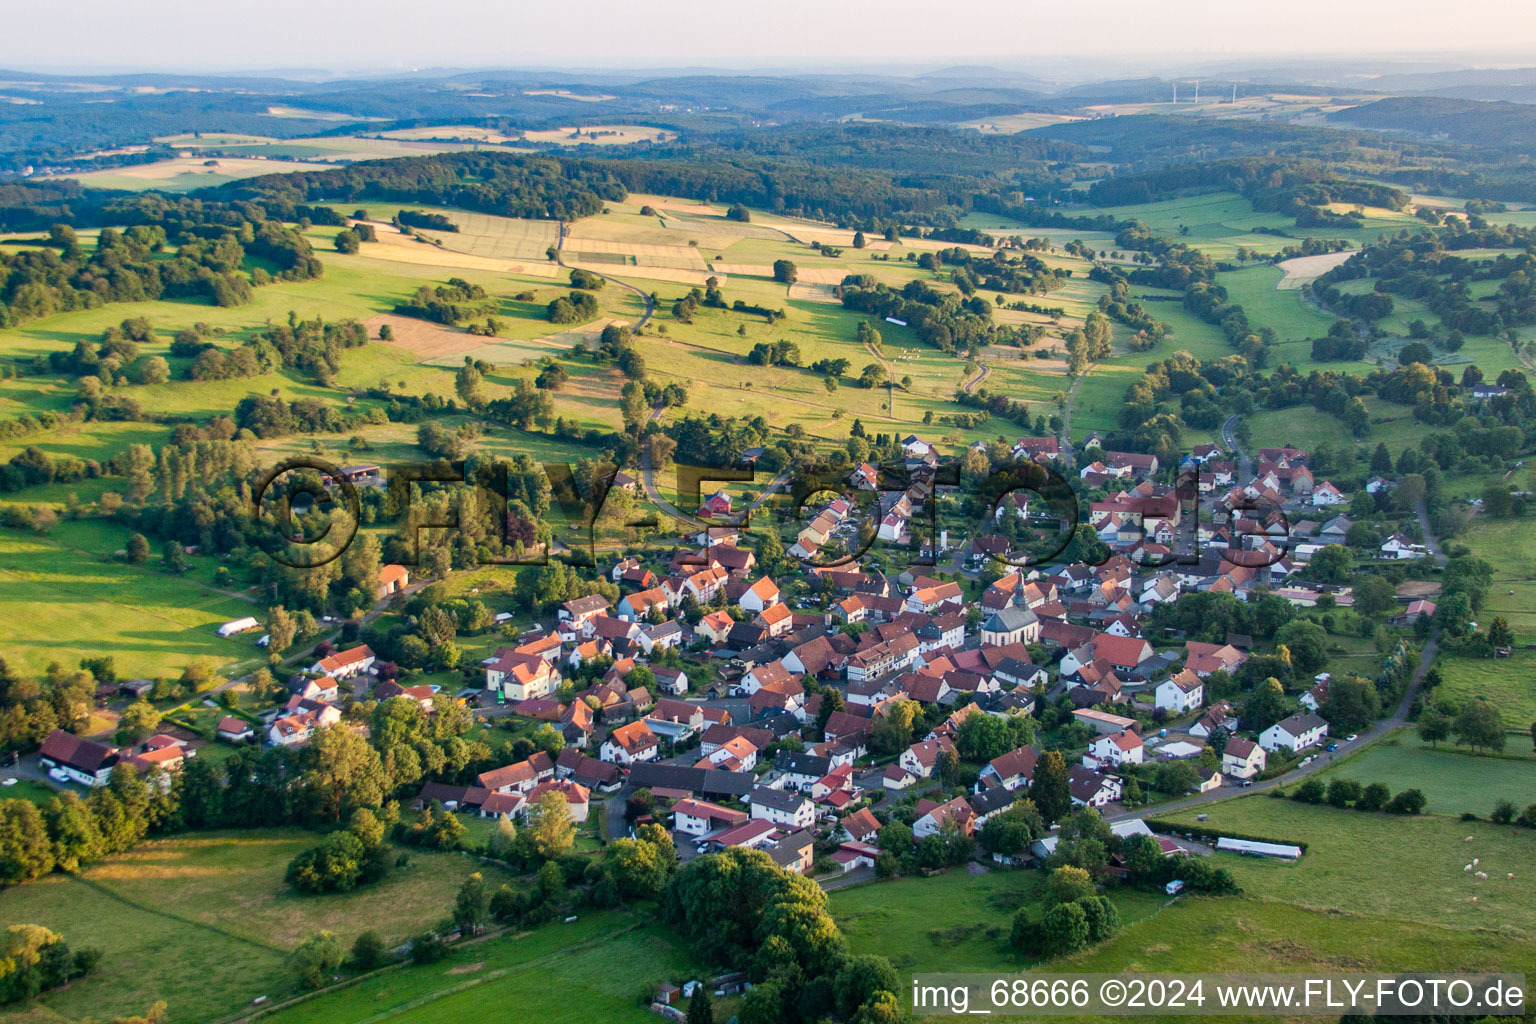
1499,633
1409,801
1353,703
138,549
1103,918
1050,790
738,212
472,905
316,957
1433,727
1478,726
1332,563
1064,929
368,951
860,980
1343,792
859,240
1307,643
1374,596
1265,706
1373,797
553,830
1175,777
701,1008
1068,884
281,631
25,850
784,271
137,721
470,385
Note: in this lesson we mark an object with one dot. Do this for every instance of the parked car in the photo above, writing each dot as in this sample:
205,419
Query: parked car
1332,747
1350,738
1174,887
58,775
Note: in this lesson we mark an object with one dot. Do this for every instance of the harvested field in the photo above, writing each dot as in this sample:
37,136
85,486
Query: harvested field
680,257
596,135
678,275
451,132
1302,269
694,207
426,341
712,227
821,275
743,269
401,248
814,293
505,238
566,94
505,352
189,172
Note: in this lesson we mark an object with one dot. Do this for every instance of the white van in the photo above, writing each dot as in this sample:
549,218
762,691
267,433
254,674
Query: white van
1174,887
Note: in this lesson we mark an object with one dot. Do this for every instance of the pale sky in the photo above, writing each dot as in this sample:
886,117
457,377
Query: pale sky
168,35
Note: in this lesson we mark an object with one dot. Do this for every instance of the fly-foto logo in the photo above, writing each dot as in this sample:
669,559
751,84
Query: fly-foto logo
1159,526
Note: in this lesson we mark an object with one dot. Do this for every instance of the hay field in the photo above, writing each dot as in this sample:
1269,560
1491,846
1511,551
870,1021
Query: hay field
507,238
671,275
505,352
401,248
451,132
606,135
1011,124
427,341
814,293
1302,269
678,257
186,173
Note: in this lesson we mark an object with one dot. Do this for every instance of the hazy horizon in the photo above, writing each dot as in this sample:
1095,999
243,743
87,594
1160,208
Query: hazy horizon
346,36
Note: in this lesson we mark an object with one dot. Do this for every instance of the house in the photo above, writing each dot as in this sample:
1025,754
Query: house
1202,658
85,761
1298,732
578,613
1416,610
1180,693
1219,716
1090,788
737,754
630,743
795,852
1117,748
1242,759
700,817
989,803
589,771
1122,653
1009,771
670,680
934,817
675,718
915,447
638,605
519,676
760,595
234,730
1102,721
521,777
921,758
715,626
1399,547
851,856
393,579
294,729
1010,625
717,504
896,777
577,797
861,826
1327,494
782,807
865,478
345,663
778,619
797,770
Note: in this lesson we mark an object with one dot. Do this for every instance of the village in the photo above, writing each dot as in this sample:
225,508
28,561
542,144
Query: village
876,696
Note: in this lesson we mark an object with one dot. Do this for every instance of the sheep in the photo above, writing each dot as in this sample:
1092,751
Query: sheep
1475,862
1511,876
1469,839
1468,868
1481,876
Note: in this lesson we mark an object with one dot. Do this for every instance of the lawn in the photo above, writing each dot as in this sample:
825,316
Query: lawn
1510,683
1359,862
1505,544
63,597
1454,780
590,970
955,921
205,921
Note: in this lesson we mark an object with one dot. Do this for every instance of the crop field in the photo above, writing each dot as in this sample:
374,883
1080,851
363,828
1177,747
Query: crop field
1301,269
205,921
1454,780
1506,546
1356,863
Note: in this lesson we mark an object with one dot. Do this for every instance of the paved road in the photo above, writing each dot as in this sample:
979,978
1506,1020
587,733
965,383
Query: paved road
975,382
1229,442
650,307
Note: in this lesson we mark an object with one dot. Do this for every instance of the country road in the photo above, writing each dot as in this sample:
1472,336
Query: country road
650,306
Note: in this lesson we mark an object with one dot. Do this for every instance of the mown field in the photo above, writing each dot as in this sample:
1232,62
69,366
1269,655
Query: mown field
1356,862
205,922
1454,780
